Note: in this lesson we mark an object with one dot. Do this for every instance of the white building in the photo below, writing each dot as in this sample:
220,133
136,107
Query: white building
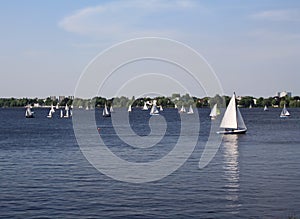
284,93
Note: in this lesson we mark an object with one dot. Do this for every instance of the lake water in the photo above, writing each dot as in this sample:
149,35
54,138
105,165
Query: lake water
43,173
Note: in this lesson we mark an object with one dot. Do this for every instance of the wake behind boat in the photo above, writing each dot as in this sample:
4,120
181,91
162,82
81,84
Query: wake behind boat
233,122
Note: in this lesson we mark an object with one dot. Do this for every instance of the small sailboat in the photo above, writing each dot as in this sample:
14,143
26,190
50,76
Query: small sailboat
284,113
50,114
29,113
52,109
161,108
214,112
233,122
61,113
175,106
266,108
182,110
191,111
67,111
105,112
87,108
250,107
111,109
145,107
154,111
129,108
57,106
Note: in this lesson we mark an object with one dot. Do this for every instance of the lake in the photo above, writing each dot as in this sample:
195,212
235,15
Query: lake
45,175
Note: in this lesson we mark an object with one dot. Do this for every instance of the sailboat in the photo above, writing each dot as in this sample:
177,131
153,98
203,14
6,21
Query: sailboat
105,112
50,114
61,113
29,113
129,108
145,107
161,108
175,106
67,111
233,122
57,106
52,109
191,111
111,109
154,111
182,110
266,108
250,107
284,113
87,108
214,112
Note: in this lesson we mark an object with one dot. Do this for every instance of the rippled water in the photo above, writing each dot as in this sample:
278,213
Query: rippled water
43,173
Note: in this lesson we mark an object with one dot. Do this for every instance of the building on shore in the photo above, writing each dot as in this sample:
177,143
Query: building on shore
284,93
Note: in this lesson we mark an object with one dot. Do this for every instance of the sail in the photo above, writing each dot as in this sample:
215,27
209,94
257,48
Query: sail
106,111
28,112
161,108
50,113
284,112
240,120
182,110
230,116
265,108
129,108
145,106
111,109
61,114
154,110
175,106
191,111
214,111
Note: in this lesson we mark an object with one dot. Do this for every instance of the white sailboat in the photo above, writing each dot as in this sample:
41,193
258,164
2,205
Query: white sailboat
154,111
233,122
284,113
67,111
266,108
61,113
161,108
250,107
129,108
52,109
111,109
191,111
50,114
175,106
145,107
182,110
105,112
57,106
214,112
29,113
87,108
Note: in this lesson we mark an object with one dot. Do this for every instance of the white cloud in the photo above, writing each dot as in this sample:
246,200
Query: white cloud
123,18
278,15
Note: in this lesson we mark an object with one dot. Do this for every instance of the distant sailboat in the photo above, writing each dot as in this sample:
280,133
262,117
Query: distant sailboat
191,111
232,121
161,108
61,113
182,110
57,106
145,107
284,113
50,114
250,107
67,111
214,112
87,108
111,109
52,109
154,111
129,108
175,106
266,108
29,113
105,112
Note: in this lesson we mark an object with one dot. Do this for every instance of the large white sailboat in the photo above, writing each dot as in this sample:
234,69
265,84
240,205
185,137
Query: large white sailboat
284,113
29,113
214,112
191,111
233,122
105,112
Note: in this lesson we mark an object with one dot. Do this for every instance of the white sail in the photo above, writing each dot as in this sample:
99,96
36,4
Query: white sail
284,112
265,108
52,109
240,120
105,112
161,108
182,110
175,106
191,111
154,110
145,106
50,114
61,113
250,107
57,106
111,109
230,117
67,111
129,108
28,112
214,111
87,108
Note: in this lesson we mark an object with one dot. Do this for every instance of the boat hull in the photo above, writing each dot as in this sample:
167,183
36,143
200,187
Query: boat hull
30,116
234,131
108,115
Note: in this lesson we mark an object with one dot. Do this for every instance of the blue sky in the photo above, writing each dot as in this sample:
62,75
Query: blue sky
253,46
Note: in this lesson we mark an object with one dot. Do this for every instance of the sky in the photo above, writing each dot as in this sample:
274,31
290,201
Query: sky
253,46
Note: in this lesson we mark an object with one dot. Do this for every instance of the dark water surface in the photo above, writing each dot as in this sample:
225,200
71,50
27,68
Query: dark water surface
43,173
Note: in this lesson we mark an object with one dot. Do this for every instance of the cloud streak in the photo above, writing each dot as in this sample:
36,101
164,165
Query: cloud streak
278,15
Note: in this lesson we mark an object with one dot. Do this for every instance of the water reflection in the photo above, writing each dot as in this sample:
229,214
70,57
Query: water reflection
231,171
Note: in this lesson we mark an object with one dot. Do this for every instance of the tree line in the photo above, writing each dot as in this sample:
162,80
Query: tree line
175,99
